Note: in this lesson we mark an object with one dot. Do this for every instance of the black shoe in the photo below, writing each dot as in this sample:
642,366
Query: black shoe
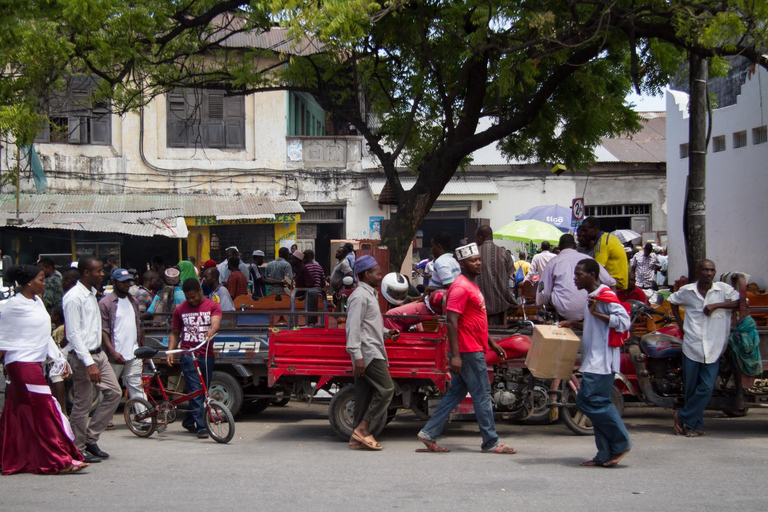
191,430
94,449
202,434
90,459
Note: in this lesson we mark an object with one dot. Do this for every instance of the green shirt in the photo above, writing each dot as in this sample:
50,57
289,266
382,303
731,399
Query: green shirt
53,292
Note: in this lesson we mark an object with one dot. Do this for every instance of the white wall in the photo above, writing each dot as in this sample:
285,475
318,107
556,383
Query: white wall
737,185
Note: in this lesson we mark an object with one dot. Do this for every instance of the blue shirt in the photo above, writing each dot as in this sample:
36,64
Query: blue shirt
178,298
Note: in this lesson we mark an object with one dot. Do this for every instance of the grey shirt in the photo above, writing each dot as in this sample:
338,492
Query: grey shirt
225,301
278,269
365,325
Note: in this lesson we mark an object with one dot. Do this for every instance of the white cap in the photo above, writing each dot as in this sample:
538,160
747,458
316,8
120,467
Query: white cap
258,253
467,251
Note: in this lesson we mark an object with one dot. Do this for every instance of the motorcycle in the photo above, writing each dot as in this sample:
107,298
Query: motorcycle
651,367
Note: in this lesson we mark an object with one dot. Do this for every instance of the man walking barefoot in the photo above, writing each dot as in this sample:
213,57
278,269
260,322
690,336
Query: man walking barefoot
365,343
467,336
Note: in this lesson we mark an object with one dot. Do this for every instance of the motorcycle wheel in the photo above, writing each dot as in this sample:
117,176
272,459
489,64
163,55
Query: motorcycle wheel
576,420
541,411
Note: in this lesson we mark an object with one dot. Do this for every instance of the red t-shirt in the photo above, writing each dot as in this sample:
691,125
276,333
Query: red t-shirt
635,294
237,284
193,323
465,298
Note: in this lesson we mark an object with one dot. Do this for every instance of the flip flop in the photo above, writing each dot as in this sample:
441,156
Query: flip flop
355,444
693,433
73,467
590,464
431,447
502,449
369,442
678,424
110,426
614,461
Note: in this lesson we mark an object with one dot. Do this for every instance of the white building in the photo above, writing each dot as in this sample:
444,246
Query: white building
737,183
271,169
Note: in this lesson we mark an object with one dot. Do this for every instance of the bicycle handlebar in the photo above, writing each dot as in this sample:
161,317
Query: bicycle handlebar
181,350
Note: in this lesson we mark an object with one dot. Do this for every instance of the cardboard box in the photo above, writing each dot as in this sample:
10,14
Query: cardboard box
553,352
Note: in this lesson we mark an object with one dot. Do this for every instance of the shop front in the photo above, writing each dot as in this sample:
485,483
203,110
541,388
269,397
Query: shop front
210,236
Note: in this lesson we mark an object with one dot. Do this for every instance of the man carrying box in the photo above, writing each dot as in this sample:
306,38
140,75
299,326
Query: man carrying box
467,336
599,361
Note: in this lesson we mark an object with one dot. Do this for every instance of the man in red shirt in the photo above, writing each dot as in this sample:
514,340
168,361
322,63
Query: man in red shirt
237,283
632,291
467,336
194,320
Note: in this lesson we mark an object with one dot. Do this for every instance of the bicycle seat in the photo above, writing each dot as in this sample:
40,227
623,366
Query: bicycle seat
145,352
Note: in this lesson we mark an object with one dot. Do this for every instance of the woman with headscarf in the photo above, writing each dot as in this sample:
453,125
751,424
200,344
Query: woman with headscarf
35,436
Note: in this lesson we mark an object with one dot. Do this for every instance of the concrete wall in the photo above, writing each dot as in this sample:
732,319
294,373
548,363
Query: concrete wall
737,185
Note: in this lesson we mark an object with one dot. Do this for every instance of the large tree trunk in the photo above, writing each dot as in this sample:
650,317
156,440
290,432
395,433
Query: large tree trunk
695,208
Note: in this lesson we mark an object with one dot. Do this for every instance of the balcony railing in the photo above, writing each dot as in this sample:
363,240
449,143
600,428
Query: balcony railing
324,152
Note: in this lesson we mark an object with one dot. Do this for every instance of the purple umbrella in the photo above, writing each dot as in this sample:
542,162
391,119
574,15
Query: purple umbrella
558,216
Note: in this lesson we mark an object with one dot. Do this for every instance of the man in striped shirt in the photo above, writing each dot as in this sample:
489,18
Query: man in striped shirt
314,268
493,280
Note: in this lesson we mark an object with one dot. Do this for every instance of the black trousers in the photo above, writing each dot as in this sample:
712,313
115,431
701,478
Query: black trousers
373,392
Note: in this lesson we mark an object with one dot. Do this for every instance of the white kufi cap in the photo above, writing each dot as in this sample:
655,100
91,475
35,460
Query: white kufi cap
467,251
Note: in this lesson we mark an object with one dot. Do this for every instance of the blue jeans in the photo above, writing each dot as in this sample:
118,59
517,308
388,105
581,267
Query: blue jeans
594,400
196,417
699,382
473,378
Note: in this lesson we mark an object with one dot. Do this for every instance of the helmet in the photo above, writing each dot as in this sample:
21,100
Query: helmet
394,287
435,301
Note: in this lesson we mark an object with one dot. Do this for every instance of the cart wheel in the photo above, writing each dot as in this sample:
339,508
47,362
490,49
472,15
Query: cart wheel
219,421
140,417
226,390
341,413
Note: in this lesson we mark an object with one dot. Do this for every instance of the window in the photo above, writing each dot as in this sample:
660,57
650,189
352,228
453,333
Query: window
739,139
718,143
683,150
74,117
760,135
205,118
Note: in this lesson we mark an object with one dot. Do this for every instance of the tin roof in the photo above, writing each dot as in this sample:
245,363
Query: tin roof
275,39
135,214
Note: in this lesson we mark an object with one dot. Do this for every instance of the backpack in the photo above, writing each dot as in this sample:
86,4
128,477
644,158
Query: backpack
519,275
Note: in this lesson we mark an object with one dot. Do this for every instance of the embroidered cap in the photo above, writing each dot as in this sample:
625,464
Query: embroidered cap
172,276
258,253
467,251
299,255
364,263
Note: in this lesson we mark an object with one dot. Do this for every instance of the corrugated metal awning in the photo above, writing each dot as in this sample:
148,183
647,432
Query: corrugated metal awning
135,214
470,187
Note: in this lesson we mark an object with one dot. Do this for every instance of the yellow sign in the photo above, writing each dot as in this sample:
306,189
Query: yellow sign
213,221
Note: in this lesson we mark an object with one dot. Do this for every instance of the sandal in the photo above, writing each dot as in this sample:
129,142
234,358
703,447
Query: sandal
614,461
502,449
590,464
73,467
368,441
354,444
693,433
110,426
431,447
678,424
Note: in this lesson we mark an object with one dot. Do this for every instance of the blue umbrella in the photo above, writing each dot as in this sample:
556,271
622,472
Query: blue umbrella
558,216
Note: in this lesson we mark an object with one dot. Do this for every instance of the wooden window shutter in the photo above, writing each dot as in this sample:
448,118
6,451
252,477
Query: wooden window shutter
214,120
234,113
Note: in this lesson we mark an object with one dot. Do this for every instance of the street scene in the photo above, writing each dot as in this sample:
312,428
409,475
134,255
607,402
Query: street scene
401,255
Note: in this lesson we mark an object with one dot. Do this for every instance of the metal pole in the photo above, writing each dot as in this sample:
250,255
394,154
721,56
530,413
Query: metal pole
18,180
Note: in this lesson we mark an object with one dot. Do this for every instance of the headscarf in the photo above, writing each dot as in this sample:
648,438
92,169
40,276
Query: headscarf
187,270
22,274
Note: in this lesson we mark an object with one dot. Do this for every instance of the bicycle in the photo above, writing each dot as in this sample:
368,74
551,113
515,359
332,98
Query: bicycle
141,417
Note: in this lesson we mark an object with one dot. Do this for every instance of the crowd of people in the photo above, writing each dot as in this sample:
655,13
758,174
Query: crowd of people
86,322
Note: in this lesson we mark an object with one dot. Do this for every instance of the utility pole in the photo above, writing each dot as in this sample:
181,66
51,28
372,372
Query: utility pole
695,207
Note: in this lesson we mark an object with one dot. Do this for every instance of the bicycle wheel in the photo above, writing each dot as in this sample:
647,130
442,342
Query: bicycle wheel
220,423
140,417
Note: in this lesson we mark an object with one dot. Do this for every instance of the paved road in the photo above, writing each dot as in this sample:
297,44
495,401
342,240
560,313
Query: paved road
287,459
